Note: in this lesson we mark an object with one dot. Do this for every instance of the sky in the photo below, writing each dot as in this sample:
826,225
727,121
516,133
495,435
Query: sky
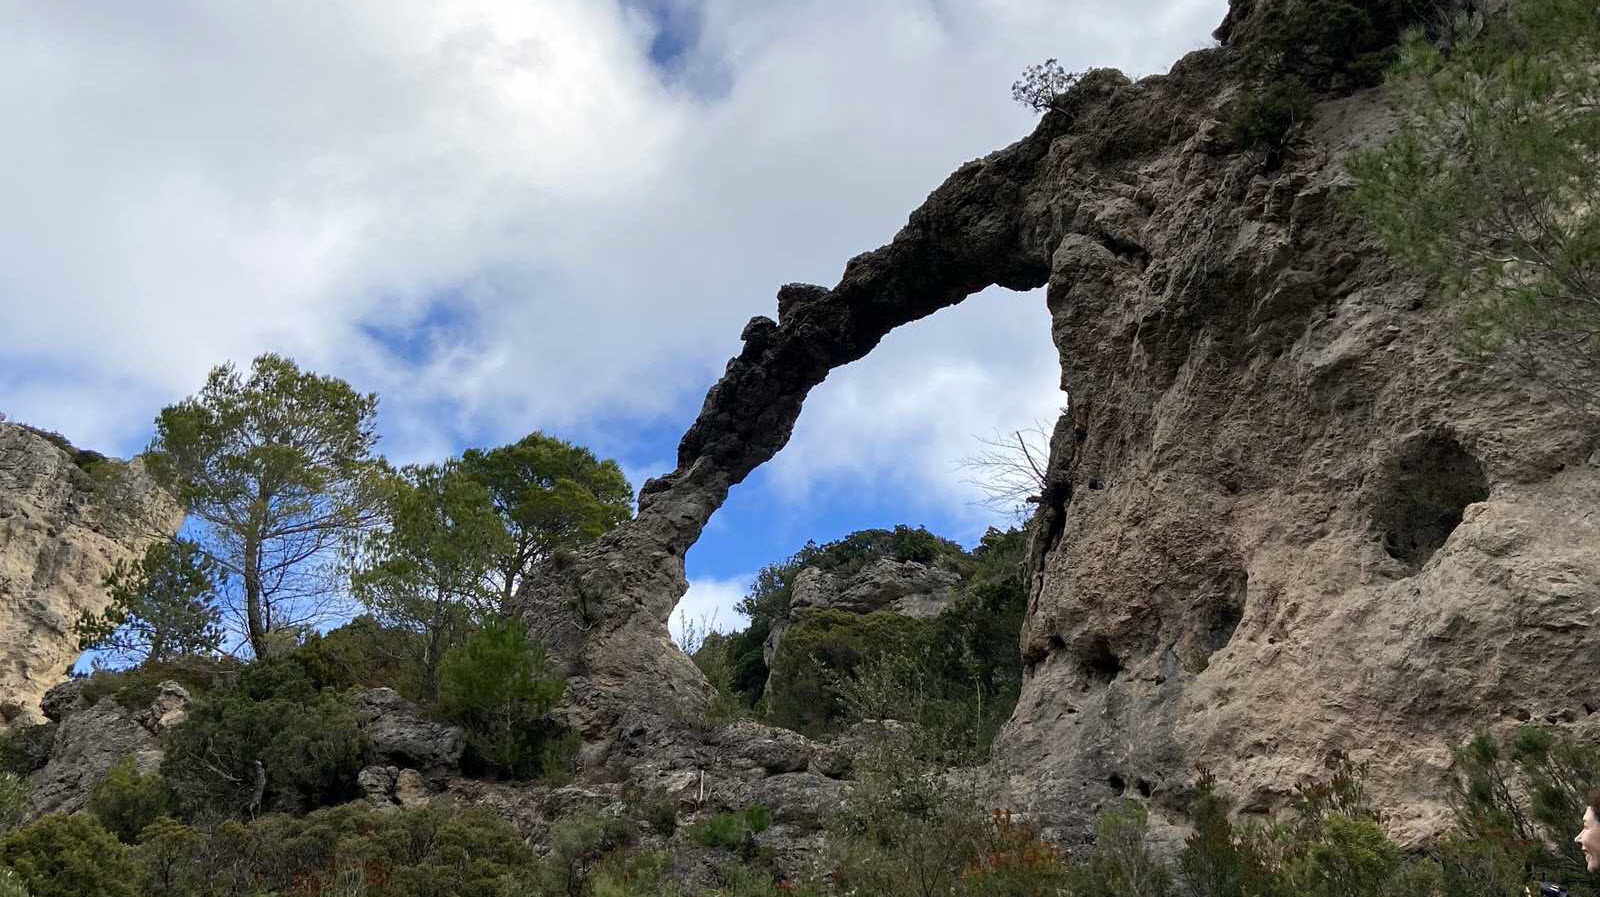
544,215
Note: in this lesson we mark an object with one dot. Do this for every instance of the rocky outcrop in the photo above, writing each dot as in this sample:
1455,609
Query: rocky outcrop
400,737
903,587
1283,515
67,516
90,738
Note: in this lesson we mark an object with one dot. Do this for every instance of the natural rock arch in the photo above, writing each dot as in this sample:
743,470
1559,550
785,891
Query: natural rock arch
604,612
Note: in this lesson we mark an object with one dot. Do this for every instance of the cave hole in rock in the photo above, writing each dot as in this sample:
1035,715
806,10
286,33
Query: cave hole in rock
1222,612
1117,784
1099,661
1424,492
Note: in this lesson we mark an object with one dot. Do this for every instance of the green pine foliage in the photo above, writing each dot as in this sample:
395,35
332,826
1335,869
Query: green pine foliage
1488,186
425,571
276,469
58,855
270,740
126,800
497,686
163,606
552,496
14,800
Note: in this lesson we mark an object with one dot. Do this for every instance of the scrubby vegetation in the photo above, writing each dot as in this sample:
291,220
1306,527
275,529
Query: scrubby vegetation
956,672
496,686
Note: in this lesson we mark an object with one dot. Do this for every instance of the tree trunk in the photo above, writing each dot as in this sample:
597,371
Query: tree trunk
255,619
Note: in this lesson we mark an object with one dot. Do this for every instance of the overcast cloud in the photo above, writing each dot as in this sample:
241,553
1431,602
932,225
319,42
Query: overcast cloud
513,215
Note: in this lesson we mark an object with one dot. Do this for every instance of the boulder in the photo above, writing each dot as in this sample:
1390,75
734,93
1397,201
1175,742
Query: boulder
92,738
402,737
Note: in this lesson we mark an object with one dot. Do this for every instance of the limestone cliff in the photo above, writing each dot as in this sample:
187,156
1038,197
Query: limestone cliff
1284,516
66,517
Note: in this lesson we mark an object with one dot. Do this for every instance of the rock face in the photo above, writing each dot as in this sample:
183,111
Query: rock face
89,739
904,587
401,737
1283,515
62,528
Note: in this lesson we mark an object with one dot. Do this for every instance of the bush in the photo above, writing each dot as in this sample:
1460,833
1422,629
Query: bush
58,855
1121,861
362,653
15,800
136,686
427,852
1265,119
26,749
655,808
497,687
126,801
732,831
820,648
1013,862
270,741
577,844
1515,800
11,884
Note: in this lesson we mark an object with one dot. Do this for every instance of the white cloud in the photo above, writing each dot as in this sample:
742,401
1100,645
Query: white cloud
708,606
900,420
544,230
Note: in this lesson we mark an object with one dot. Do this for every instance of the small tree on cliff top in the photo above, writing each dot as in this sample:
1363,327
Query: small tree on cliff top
1041,84
277,467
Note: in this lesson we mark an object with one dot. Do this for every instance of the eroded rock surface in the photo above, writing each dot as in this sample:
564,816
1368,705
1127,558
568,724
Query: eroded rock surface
1283,515
401,737
61,531
89,739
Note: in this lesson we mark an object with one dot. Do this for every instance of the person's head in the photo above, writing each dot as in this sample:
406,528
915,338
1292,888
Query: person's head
1589,838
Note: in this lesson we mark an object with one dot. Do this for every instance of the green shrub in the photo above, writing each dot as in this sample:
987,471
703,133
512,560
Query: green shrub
819,648
171,860
362,653
306,743
11,884
126,801
15,800
26,749
1265,119
136,686
427,852
58,855
654,807
1013,862
1121,861
577,844
630,873
498,688
1515,800
732,831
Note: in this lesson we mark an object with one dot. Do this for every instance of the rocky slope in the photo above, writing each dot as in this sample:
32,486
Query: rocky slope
1284,515
66,517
